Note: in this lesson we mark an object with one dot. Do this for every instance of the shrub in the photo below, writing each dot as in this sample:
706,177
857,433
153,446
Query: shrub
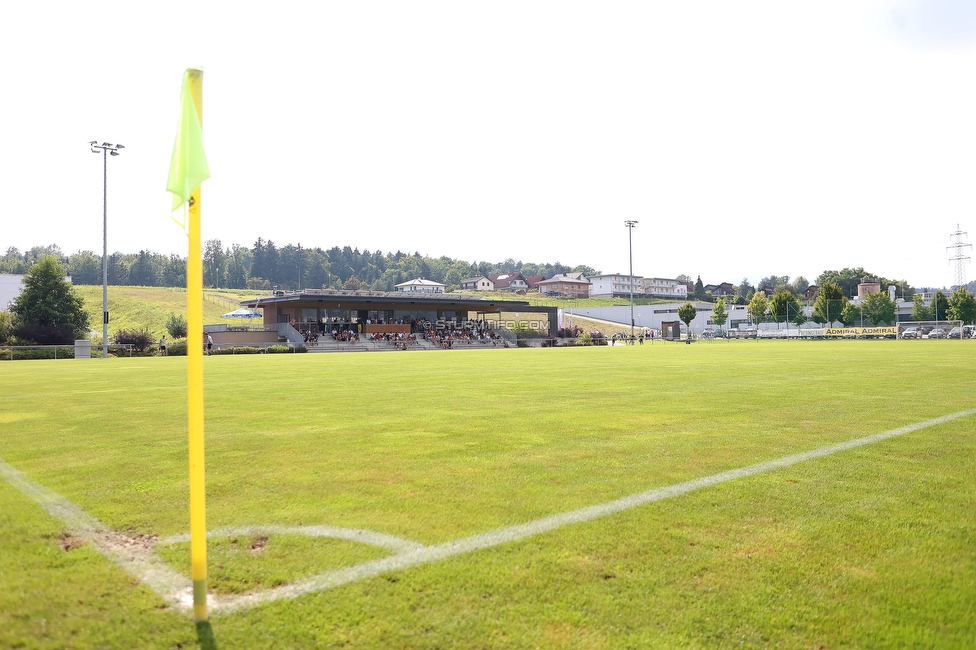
45,334
238,349
523,331
176,349
139,340
299,349
277,349
258,283
591,338
176,326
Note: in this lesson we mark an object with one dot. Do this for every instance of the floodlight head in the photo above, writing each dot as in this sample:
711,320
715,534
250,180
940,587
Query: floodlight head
114,153
120,146
106,144
93,142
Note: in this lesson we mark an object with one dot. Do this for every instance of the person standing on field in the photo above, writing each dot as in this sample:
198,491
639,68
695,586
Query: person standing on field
209,345
162,346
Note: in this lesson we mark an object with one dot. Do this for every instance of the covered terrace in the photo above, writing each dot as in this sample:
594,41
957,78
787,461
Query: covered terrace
366,312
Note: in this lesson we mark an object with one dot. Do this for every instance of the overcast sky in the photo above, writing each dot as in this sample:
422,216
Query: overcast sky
747,138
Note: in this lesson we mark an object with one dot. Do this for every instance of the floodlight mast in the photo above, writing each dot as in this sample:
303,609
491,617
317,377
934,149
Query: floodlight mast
106,149
630,241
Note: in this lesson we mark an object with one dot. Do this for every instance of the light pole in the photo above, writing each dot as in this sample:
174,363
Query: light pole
106,149
630,241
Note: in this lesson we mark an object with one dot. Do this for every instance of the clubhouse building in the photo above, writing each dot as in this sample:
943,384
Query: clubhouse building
288,314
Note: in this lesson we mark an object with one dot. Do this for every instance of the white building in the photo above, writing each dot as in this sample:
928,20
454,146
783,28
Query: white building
659,316
614,285
664,288
420,285
479,283
10,287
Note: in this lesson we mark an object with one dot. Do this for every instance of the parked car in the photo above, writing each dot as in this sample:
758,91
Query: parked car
937,333
955,333
910,333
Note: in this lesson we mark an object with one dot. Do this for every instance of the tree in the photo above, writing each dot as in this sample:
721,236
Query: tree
773,281
141,272
800,284
237,266
176,325
719,315
683,277
744,291
784,306
962,306
847,279
213,263
700,289
6,327
118,269
940,306
85,268
687,313
174,271
829,304
758,306
800,318
851,314
587,271
879,308
920,311
48,311
317,269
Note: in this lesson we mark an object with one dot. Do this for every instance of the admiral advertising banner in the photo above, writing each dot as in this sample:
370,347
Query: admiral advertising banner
861,331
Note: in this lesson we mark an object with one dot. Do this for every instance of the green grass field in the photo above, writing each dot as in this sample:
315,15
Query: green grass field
870,547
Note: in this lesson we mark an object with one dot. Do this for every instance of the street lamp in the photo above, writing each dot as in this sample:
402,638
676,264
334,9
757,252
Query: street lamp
630,240
107,149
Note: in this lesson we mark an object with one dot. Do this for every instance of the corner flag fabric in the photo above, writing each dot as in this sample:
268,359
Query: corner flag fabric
188,166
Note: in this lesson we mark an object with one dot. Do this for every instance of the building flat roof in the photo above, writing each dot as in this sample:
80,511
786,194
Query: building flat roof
436,300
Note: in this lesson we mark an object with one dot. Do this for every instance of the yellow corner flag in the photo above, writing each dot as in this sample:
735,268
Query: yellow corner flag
188,166
187,170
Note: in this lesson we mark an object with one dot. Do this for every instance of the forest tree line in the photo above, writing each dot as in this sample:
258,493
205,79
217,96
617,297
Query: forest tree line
266,265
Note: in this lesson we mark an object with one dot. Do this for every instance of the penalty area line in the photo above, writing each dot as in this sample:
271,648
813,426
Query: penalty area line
430,554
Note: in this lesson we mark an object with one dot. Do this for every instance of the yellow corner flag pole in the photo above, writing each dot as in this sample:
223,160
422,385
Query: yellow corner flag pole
188,169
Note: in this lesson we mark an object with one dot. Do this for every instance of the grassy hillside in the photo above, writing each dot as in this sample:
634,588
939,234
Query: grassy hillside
149,307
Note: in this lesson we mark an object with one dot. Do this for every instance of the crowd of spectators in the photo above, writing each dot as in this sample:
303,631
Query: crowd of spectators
468,332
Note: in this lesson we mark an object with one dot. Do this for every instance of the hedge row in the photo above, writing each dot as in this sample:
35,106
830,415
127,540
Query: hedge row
177,349
67,352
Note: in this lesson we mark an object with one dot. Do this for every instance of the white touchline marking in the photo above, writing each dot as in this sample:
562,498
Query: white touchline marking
175,588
